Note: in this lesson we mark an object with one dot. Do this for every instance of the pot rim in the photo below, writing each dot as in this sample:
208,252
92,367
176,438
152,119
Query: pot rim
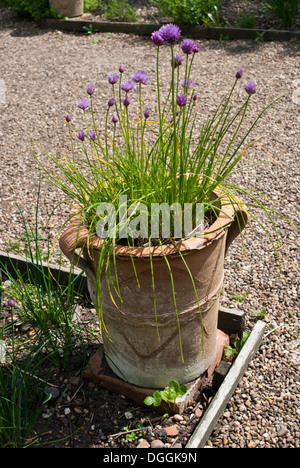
231,218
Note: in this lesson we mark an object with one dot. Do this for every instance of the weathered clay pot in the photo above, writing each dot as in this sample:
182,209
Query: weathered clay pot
133,350
70,8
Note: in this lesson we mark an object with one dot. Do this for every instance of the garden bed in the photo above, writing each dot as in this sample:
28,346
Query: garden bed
237,20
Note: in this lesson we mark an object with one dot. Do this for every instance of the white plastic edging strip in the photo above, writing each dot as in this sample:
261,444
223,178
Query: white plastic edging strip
226,389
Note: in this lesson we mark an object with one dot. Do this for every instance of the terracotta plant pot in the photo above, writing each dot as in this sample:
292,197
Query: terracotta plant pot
69,8
133,350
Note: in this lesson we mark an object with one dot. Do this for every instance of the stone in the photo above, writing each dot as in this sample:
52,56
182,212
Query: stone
143,444
177,445
178,417
162,433
198,413
53,391
282,431
75,381
172,431
157,443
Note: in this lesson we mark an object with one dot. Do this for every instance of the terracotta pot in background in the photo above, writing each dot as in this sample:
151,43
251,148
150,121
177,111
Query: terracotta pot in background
69,8
133,350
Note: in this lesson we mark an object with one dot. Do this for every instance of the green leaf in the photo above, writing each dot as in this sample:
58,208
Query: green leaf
168,394
149,400
175,386
183,390
157,398
154,400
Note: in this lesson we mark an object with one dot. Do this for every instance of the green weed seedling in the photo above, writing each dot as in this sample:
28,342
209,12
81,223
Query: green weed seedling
169,395
238,344
133,434
239,297
89,29
260,313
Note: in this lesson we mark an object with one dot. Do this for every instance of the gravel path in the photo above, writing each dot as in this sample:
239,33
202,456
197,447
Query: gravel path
45,74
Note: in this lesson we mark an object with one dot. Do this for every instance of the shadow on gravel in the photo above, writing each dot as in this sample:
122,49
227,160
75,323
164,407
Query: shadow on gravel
20,26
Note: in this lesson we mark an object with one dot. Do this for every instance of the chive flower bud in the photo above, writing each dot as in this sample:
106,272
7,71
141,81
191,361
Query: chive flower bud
170,33
250,87
112,78
187,46
11,302
140,77
127,86
111,102
239,74
156,38
181,100
83,104
177,61
126,101
81,136
114,118
188,84
90,89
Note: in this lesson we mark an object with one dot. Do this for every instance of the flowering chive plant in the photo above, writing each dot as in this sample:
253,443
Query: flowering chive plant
157,160
151,156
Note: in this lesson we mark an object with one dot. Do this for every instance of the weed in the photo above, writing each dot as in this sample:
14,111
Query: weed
238,297
169,395
238,344
135,433
247,21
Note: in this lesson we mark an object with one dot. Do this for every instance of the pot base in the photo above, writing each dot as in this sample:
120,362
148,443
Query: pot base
98,371
71,9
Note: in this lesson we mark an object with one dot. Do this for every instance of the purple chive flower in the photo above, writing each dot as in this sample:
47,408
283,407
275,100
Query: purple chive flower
83,104
81,136
156,38
112,78
111,102
92,135
68,118
195,97
18,382
250,87
181,100
126,101
121,69
189,84
127,86
90,89
170,33
140,77
11,302
114,118
239,73
177,61
147,113
187,46
196,48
